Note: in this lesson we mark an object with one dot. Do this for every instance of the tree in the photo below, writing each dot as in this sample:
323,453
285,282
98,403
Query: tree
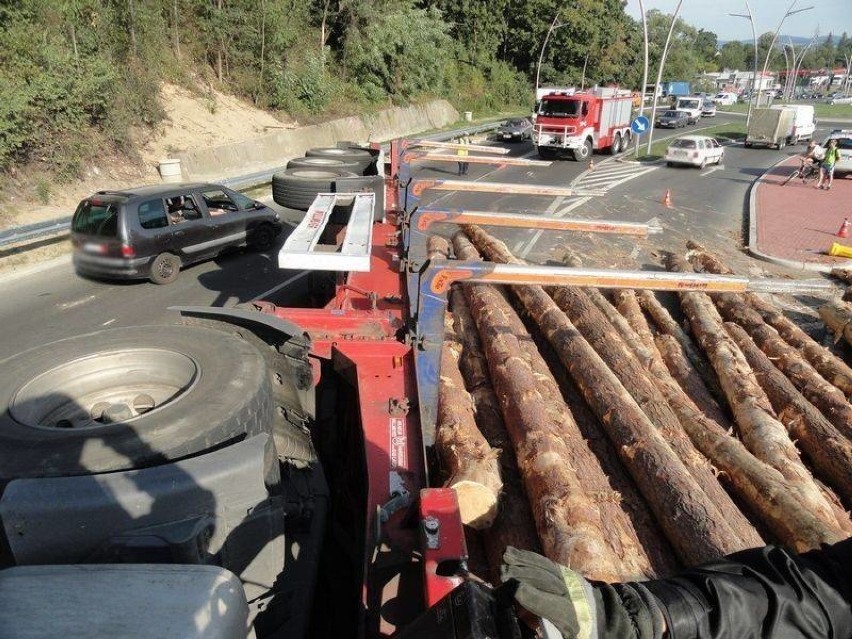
735,55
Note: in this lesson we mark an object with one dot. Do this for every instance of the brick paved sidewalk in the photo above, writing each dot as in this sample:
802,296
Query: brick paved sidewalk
798,223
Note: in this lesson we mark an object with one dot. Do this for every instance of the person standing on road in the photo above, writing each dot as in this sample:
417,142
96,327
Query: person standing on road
832,154
461,152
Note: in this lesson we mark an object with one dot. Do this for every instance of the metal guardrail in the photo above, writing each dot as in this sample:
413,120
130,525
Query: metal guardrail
21,236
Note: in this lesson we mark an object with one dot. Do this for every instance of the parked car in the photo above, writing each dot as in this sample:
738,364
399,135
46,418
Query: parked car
839,99
695,150
515,130
725,99
672,119
154,231
708,109
844,145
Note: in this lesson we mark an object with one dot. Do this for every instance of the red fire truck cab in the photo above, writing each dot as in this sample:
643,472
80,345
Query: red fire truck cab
577,124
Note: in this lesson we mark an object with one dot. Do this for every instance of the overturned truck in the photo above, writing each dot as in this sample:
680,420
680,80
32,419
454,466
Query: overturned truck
286,472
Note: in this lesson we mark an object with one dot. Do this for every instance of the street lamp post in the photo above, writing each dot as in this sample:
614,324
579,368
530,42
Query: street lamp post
645,71
789,13
750,17
553,25
660,75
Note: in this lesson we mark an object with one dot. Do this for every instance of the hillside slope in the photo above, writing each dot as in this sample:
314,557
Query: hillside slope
193,119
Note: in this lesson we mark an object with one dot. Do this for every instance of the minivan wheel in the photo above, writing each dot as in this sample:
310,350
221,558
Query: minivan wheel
126,398
262,238
165,269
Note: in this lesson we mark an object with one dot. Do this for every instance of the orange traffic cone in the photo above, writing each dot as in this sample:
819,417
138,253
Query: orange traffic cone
591,164
843,231
667,200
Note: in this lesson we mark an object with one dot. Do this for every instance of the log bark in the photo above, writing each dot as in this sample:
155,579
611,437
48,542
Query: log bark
691,522
569,522
672,355
470,463
829,451
827,397
666,324
682,407
838,317
843,274
762,434
763,489
827,364
514,524
603,337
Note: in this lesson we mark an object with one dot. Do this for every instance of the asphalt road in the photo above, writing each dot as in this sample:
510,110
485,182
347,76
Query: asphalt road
52,302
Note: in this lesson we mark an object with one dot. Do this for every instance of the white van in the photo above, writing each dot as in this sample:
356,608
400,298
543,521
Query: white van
692,105
725,99
804,124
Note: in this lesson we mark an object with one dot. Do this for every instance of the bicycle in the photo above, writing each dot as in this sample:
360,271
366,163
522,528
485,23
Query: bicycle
808,171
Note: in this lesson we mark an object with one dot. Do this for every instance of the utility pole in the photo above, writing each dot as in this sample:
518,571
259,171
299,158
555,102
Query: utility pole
645,71
750,17
660,75
789,13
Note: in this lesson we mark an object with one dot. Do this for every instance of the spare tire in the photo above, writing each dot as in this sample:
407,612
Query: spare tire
297,188
129,398
325,163
362,157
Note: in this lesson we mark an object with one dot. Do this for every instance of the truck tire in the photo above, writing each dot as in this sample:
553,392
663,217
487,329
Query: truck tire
616,145
781,144
324,163
359,156
128,398
584,152
297,188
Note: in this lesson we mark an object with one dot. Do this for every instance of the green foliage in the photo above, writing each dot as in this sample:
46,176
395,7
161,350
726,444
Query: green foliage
401,53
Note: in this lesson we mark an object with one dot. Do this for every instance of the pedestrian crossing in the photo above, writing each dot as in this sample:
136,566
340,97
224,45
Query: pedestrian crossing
601,178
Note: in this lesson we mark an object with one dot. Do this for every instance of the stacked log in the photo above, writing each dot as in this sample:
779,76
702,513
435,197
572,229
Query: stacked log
761,432
564,483
838,317
832,368
514,524
689,441
692,523
468,461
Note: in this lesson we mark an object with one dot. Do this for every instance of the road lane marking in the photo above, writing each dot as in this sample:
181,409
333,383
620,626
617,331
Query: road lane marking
712,169
108,322
75,303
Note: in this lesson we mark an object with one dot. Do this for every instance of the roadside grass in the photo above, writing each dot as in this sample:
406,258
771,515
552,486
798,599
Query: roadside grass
820,110
724,132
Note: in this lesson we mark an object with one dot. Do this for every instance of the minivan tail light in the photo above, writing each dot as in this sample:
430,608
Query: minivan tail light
127,251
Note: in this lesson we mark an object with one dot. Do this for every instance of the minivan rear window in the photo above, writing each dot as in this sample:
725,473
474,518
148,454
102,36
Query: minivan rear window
684,144
96,217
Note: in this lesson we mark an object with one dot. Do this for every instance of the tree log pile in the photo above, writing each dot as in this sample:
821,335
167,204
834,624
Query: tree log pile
596,428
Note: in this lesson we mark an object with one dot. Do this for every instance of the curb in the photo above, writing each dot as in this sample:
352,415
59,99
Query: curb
752,235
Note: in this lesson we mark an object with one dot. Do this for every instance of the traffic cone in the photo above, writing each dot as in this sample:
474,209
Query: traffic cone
667,200
591,164
843,231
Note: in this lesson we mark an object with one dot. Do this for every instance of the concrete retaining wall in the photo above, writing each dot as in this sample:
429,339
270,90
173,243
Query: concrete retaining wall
273,150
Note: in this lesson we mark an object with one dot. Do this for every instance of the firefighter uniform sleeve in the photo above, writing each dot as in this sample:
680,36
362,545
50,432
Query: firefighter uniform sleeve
761,593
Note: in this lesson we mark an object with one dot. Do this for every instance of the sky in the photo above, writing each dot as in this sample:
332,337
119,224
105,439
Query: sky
833,16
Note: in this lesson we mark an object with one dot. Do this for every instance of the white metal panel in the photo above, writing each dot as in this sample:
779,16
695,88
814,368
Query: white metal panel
302,249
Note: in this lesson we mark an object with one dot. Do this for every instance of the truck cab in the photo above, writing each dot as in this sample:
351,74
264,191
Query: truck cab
579,123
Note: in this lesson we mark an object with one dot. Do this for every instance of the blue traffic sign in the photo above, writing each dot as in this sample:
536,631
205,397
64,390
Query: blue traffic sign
640,124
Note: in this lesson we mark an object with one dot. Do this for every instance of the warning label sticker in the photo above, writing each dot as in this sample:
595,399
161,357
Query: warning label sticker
398,443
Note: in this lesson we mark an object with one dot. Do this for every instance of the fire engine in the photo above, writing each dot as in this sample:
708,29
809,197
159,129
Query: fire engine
579,123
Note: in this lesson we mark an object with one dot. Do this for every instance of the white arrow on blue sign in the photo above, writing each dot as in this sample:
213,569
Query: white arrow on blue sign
640,124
